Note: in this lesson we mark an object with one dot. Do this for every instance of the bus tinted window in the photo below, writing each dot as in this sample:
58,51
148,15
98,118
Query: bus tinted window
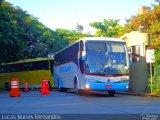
96,46
27,66
67,55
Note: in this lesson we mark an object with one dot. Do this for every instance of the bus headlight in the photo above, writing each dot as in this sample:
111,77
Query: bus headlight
127,87
87,86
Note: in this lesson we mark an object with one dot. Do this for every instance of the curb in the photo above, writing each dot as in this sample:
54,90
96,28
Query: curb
140,94
151,95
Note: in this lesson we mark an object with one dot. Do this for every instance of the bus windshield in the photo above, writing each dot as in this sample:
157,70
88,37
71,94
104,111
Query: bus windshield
107,58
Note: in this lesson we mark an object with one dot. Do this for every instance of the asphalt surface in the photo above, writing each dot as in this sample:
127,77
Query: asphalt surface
69,105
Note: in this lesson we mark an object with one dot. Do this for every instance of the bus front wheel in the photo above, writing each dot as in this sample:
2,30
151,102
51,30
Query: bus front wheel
78,91
7,86
49,85
111,92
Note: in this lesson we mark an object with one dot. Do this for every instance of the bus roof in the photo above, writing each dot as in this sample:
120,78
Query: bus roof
84,39
28,60
101,38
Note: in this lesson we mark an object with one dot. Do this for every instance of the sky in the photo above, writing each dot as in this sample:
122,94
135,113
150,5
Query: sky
67,13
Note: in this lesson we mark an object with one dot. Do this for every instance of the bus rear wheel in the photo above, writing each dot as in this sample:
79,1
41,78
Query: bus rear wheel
60,89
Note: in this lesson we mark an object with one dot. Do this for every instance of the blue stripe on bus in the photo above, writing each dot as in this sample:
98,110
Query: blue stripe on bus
108,86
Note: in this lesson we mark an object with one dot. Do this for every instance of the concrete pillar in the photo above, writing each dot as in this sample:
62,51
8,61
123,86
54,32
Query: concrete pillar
138,77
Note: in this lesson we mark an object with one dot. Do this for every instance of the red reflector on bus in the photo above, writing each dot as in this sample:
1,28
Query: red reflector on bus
109,86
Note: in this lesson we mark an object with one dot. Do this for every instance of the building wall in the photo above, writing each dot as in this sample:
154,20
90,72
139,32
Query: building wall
137,43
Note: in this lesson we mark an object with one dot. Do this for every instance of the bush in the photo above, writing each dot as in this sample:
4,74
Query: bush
156,77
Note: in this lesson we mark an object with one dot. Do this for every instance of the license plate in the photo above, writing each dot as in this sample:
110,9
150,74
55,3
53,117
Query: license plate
108,86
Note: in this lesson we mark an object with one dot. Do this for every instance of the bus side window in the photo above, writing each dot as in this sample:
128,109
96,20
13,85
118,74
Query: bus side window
76,48
2,69
8,68
80,57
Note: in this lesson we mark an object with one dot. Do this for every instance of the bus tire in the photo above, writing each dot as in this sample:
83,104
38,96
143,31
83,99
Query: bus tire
49,85
111,92
7,86
78,91
60,89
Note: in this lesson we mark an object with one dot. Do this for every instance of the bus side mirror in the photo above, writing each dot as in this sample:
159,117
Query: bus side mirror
83,55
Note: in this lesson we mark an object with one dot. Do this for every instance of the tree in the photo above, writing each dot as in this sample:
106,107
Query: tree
70,36
108,28
150,22
9,42
23,36
79,27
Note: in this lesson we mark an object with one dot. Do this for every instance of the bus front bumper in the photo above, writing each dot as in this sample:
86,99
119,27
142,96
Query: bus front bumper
107,86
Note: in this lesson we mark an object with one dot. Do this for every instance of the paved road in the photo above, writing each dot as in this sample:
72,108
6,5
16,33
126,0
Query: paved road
70,103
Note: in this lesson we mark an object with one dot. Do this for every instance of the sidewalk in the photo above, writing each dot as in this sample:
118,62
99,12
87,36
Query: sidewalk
139,94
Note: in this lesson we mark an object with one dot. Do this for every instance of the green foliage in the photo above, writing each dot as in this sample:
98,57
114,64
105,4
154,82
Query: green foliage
155,86
156,79
9,42
108,28
70,36
22,36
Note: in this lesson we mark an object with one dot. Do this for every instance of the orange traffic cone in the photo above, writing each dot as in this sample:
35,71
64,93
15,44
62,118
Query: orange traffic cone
14,91
25,87
45,87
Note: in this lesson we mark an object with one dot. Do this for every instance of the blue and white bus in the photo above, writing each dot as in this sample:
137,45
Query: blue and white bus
93,64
